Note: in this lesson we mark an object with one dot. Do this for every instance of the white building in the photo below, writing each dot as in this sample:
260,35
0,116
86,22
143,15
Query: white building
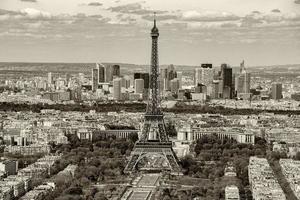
291,170
232,192
191,133
263,183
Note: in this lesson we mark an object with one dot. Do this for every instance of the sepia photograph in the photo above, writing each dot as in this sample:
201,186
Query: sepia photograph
149,99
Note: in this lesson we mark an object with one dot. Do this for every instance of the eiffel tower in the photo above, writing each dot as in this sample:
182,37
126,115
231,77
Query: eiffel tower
154,141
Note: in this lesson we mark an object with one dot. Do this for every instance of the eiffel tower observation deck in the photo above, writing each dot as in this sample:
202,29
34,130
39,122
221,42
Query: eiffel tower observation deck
153,151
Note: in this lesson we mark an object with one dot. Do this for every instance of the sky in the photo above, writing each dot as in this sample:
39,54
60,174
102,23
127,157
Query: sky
261,32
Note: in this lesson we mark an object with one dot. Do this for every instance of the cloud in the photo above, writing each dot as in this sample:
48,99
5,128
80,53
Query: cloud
271,19
162,17
95,4
256,12
276,11
31,1
208,16
134,8
34,13
8,12
297,1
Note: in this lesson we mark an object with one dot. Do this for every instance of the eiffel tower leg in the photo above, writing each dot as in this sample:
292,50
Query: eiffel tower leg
132,163
172,160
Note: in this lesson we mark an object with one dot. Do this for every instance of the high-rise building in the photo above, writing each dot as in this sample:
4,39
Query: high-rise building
95,81
204,75
226,82
166,75
101,72
50,78
117,84
111,72
115,70
276,91
139,86
174,85
179,77
197,76
242,82
215,89
126,82
144,76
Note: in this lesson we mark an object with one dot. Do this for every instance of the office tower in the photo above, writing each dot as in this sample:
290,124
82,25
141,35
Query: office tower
179,77
126,82
226,82
101,72
144,76
115,70
111,72
117,89
171,74
139,86
215,89
204,75
200,88
166,75
50,78
95,80
174,85
242,82
242,67
276,91
197,76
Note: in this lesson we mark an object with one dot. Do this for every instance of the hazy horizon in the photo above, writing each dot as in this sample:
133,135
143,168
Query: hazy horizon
138,64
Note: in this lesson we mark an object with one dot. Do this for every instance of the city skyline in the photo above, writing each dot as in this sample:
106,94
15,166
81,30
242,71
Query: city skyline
78,121
194,32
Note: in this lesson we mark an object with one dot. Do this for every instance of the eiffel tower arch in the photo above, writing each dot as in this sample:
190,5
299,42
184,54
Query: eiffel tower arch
153,150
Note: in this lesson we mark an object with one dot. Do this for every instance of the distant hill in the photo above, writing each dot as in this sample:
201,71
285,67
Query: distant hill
126,68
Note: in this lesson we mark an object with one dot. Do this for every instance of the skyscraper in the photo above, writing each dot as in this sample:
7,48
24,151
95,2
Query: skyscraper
179,77
126,82
204,75
226,82
117,84
174,85
144,76
276,91
101,72
111,72
115,70
139,86
166,75
242,83
95,80
50,78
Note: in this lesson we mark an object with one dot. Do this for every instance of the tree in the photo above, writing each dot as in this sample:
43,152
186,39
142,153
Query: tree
297,157
171,130
100,196
133,137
